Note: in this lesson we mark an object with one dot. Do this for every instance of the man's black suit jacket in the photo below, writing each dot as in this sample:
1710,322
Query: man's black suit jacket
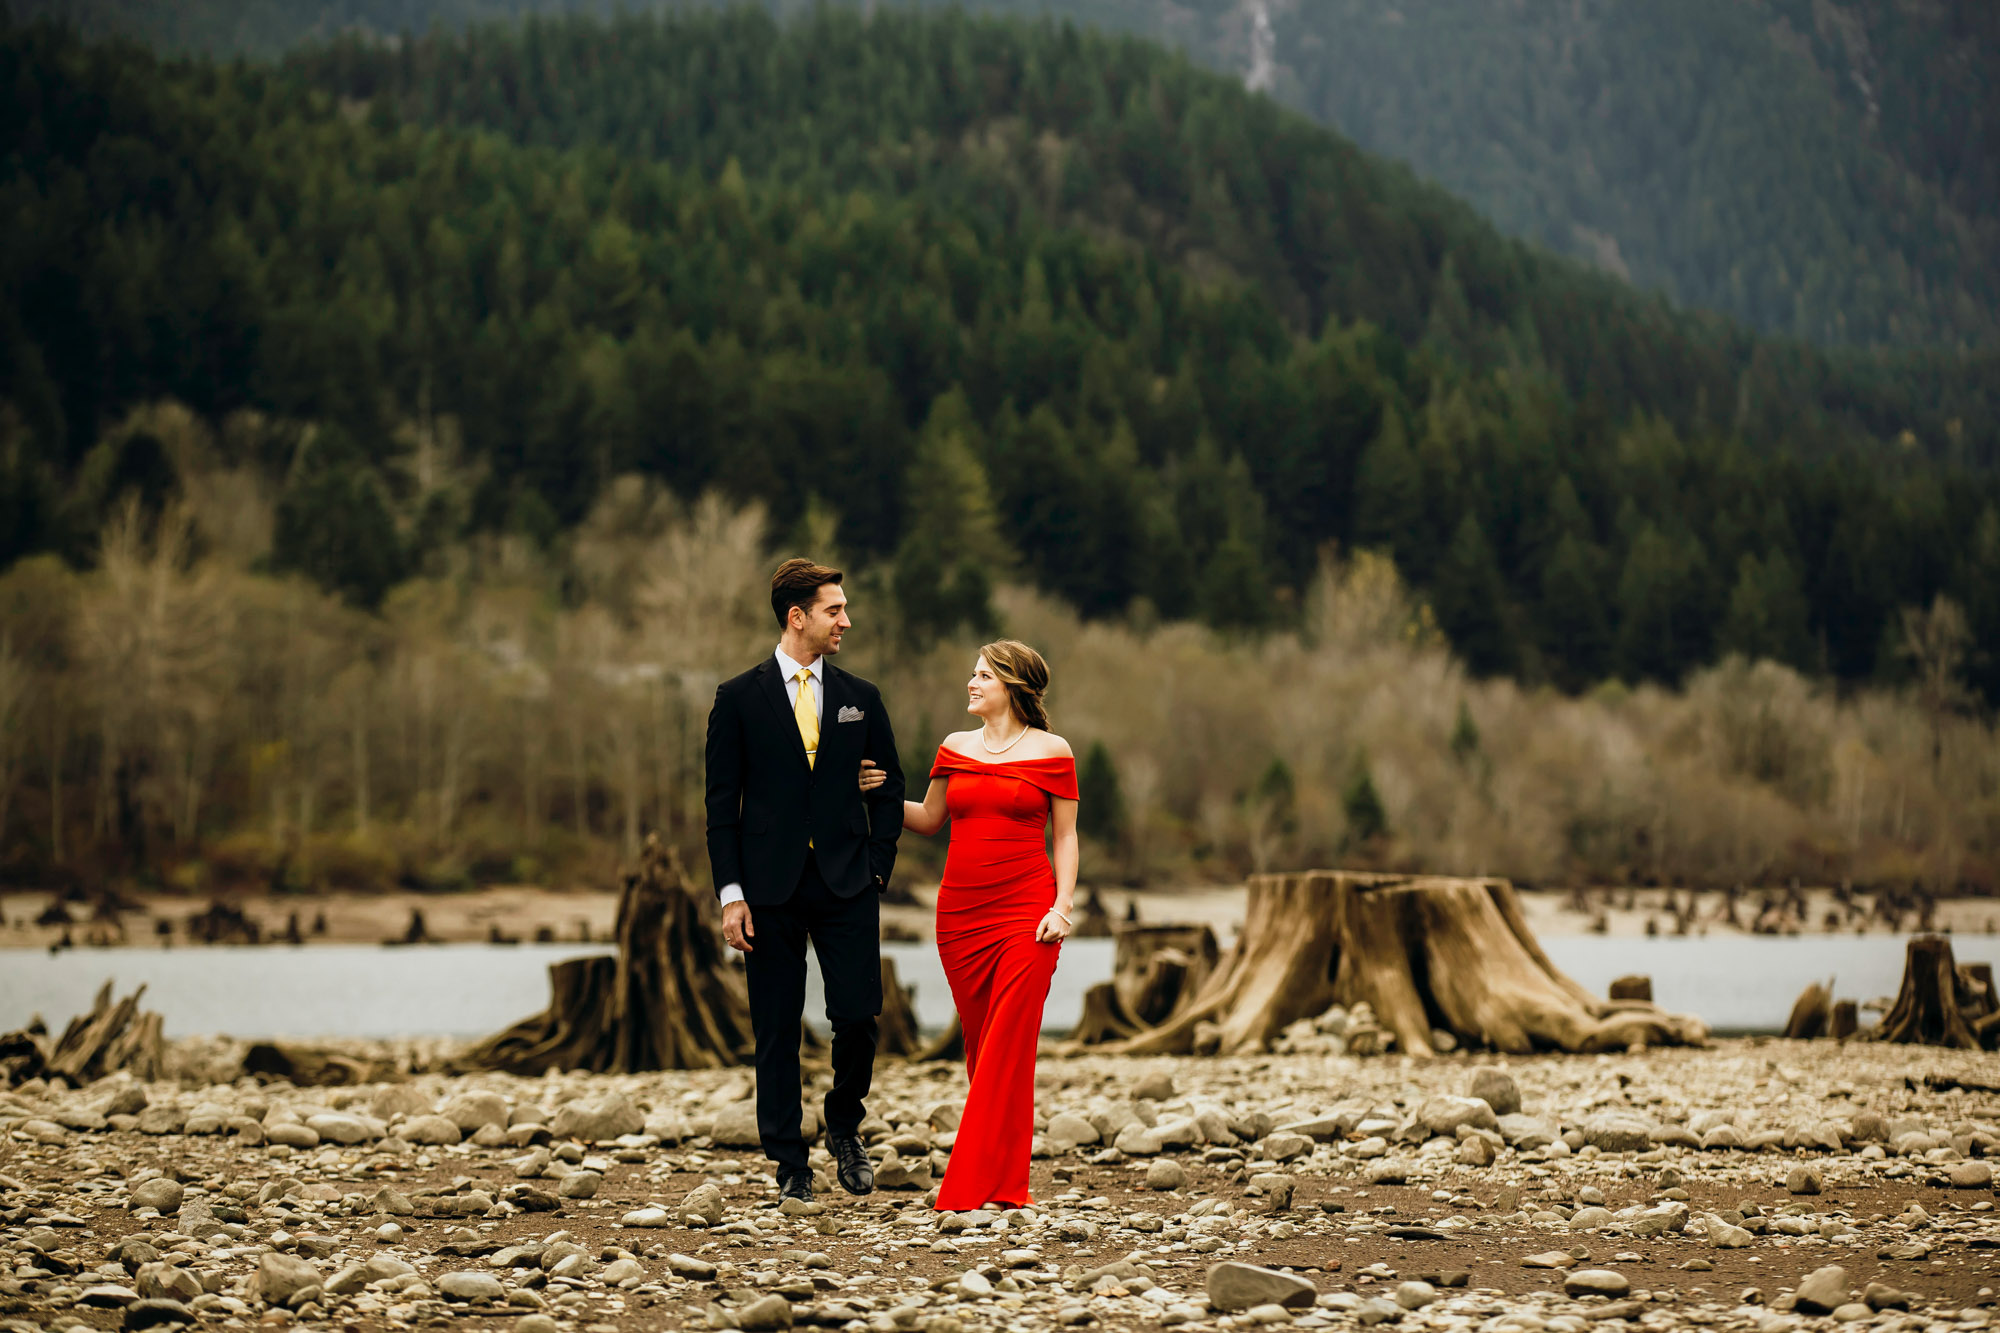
765,802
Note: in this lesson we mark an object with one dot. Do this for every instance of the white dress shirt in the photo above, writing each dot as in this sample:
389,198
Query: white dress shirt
733,893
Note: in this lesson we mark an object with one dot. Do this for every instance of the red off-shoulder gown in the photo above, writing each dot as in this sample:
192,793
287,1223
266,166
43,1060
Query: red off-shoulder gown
998,885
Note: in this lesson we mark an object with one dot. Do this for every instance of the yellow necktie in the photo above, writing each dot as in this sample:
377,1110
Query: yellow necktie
807,715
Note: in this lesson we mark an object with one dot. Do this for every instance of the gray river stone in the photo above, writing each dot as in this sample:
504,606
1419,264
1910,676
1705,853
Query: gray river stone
1443,1115
1821,1291
607,1118
1495,1087
160,1193
736,1126
1597,1282
472,1110
1237,1286
473,1288
430,1129
280,1276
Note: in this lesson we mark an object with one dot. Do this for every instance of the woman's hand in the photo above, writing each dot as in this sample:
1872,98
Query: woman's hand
872,775
1054,929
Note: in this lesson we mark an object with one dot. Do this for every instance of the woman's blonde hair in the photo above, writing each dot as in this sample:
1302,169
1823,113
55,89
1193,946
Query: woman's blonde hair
1026,676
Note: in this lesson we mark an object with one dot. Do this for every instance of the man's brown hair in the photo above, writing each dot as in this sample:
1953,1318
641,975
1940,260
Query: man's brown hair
797,583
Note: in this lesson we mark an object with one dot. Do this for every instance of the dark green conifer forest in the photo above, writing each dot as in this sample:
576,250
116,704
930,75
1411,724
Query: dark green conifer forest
1828,169
984,295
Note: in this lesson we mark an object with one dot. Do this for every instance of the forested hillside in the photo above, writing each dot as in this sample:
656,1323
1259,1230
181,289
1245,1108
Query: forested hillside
1058,124
1828,169
1042,295
1822,168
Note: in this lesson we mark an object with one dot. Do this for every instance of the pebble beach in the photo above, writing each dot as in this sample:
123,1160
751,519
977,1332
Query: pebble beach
1755,1184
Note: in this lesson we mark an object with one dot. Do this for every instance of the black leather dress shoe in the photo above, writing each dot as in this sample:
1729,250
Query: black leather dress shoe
796,1185
856,1172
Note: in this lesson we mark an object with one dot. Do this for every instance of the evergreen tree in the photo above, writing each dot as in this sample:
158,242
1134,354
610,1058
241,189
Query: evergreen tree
1464,735
1271,813
29,516
1367,821
1389,494
334,526
1235,587
1766,615
1562,515
1571,615
1100,807
952,553
1662,620
1470,601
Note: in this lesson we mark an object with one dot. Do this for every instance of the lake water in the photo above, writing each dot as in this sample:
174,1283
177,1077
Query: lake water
1736,983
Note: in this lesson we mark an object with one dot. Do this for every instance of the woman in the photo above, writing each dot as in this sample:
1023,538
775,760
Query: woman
1003,910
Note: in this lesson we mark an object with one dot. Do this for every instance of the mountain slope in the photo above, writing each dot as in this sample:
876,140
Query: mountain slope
1112,133
1826,169
1822,168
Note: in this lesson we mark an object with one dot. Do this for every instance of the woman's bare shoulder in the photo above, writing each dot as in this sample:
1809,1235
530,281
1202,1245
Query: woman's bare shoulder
1046,745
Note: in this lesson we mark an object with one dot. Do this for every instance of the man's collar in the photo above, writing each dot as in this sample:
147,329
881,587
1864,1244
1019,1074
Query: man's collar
791,668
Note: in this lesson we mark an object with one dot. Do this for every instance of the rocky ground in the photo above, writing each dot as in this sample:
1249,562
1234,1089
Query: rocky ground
1754,1185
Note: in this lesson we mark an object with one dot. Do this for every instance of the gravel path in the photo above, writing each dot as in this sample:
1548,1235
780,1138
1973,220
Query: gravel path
1754,1185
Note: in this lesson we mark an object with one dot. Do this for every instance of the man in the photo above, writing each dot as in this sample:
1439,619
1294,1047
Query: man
796,857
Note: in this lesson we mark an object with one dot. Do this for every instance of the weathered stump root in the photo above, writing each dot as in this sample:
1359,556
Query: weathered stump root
947,1045
1940,1003
110,1038
315,1067
670,999
1105,1017
1426,953
1980,999
1156,970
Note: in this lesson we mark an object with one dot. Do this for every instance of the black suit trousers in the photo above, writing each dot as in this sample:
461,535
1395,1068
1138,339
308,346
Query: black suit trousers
846,933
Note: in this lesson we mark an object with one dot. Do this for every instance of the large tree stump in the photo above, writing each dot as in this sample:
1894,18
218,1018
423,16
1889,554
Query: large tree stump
1158,968
896,1030
1844,1021
109,1038
1929,1010
1426,953
670,999
1812,1013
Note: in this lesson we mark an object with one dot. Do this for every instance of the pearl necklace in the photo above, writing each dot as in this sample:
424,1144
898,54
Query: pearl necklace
1008,746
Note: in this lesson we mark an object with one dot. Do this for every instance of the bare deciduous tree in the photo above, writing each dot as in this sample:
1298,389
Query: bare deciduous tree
153,627
1936,640
546,708
16,682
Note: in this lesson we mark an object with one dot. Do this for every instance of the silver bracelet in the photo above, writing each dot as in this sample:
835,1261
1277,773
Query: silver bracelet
1054,912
